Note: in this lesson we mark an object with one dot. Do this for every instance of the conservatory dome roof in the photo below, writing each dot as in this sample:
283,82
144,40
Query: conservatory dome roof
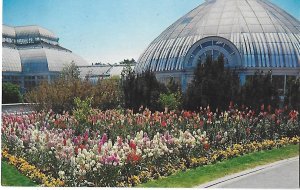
32,31
264,35
21,52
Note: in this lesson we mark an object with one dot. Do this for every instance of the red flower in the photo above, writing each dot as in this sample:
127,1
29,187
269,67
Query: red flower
206,146
132,145
133,157
65,142
293,114
82,147
201,123
163,124
186,114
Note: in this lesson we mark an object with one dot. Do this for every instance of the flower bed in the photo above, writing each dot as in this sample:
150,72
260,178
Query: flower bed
31,171
124,149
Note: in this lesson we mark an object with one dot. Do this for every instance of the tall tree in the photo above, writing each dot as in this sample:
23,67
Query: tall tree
260,90
70,72
213,85
141,90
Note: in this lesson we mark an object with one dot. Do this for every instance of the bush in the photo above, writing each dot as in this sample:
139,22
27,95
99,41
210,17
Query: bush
60,95
82,112
170,101
11,93
107,94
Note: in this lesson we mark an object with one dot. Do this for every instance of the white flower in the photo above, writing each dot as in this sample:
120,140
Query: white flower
225,134
87,166
61,174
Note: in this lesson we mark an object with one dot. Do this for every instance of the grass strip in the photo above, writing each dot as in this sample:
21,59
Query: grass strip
10,176
204,174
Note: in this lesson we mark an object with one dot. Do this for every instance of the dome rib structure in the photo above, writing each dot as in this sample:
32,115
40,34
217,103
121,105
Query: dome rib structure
265,35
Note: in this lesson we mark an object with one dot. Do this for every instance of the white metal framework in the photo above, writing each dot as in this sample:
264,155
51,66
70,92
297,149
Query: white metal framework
265,36
32,54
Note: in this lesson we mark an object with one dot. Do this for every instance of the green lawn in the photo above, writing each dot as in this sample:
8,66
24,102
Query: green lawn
200,175
10,176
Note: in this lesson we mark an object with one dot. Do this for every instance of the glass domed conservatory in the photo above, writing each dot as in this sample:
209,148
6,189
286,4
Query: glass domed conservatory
251,34
32,54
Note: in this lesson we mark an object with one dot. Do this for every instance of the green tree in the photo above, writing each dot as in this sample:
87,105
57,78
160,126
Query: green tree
259,90
11,93
293,93
141,90
128,62
212,85
70,72
60,94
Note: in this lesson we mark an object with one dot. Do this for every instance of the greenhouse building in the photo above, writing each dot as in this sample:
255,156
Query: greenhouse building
32,54
251,34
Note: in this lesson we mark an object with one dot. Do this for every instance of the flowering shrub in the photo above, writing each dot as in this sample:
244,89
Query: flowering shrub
125,149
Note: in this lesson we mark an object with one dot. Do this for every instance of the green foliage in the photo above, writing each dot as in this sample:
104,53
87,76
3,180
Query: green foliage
70,72
293,93
173,86
59,95
170,101
11,93
141,90
128,62
213,85
107,94
81,112
259,90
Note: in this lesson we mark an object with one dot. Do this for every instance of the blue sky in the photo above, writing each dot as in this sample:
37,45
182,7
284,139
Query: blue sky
107,30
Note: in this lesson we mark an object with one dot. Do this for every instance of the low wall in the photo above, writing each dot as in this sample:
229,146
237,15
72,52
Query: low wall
17,108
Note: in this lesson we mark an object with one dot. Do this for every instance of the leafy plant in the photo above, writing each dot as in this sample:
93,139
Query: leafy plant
81,112
170,101
11,93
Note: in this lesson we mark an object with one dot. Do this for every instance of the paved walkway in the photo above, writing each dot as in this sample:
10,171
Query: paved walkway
279,175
